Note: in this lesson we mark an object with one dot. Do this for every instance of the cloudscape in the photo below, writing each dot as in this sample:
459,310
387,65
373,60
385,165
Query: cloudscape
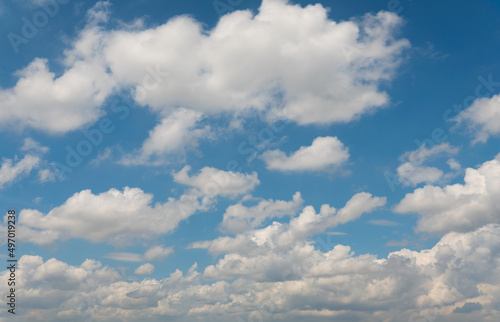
247,160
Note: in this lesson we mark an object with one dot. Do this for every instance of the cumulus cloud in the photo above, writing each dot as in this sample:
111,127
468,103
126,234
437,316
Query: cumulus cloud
145,269
286,235
213,181
12,170
482,117
456,280
414,171
325,153
114,216
458,207
307,67
239,218
175,133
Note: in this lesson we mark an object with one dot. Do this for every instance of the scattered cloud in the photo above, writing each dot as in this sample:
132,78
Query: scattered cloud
156,253
212,181
239,218
145,269
482,117
116,217
413,172
12,170
324,154
176,133
458,207
30,145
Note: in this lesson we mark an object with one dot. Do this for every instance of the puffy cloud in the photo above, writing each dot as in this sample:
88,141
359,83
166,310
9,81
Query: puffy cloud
458,207
56,104
286,235
145,269
10,171
213,182
325,153
239,218
155,253
430,284
275,51
113,216
293,59
175,133
483,117
413,171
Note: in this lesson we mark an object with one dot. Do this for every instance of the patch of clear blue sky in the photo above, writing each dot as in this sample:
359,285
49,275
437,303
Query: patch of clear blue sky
453,43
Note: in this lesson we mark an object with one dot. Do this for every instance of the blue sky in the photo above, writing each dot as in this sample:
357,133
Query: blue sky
142,137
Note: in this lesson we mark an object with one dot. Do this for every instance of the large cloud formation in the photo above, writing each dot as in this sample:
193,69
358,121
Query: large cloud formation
293,59
456,280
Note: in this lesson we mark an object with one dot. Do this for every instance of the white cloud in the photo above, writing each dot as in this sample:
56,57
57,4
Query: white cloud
213,182
483,117
285,236
115,217
299,284
423,153
46,175
33,146
454,165
10,170
413,172
325,153
155,253
323,71
458,207
239,218
145,269
176,132
413,175
56,104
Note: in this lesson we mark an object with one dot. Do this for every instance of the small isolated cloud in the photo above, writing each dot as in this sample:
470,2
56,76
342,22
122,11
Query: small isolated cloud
453,164
482,117
31,145
12,170
458,207
325,153
46,175
176,133
211,181
413,172
156,253
102,156
145,269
